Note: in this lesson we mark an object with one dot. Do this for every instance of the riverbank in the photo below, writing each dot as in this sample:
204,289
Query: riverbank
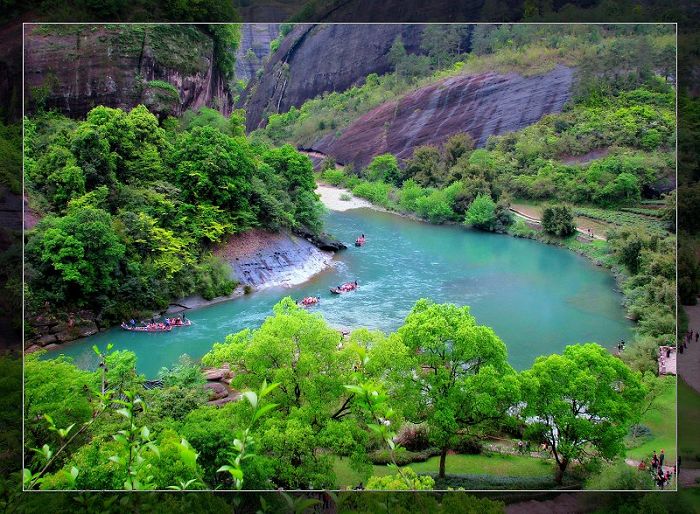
258,260
262,259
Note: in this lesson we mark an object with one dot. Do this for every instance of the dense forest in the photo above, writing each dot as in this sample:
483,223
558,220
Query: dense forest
131,207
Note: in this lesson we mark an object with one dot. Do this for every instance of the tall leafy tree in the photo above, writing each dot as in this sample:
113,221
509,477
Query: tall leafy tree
453,374
581,403
76,257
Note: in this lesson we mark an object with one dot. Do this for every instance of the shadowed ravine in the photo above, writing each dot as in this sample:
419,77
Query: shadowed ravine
538,298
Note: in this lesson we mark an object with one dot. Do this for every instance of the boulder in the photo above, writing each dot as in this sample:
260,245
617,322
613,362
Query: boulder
322,241
86,328
47,339
213,374
216,390
228,399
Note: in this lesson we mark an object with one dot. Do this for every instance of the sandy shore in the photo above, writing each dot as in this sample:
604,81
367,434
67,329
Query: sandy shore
330,196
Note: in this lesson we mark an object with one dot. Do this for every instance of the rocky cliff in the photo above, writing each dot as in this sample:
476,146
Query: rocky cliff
482,105
314,59
254,48
76,67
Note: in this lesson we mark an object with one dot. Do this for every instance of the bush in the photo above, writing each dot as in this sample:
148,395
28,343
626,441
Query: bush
345,197
385,168
402,456
398,482
620,476
558,220
413,437
333,176
468,446
482,213
435,207
375,192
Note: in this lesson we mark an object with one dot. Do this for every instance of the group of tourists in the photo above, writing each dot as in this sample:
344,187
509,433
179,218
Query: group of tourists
348,286
621,346
310,300
153,326
689,335
661,476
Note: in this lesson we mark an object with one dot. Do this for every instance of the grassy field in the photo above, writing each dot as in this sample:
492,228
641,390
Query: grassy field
489,464
661,420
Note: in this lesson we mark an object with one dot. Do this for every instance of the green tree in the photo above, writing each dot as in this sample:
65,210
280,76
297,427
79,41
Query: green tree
482,213
385,168
456,146
452,374
75,259
215,168
582,402
558,220
426,167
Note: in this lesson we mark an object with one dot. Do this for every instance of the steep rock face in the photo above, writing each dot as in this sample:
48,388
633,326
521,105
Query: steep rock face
77,67
482,105
313,59
254,48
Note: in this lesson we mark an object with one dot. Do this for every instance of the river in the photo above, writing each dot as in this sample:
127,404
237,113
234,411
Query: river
538,298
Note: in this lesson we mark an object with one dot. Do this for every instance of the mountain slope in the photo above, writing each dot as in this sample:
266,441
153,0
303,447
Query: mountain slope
483,105
77,67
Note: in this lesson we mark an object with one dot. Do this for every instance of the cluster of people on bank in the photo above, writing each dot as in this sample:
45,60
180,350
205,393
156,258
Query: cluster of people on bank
661,476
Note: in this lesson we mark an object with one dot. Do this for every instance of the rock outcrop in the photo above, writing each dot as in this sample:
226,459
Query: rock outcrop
47,330
75,67
483,105
313,59
321,241
264,259
254,48
218,387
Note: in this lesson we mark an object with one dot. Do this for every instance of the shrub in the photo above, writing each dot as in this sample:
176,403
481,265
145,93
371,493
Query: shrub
345,197
385,168
402,456
398,482
468,446
435,207
482,213
334,177
558,220
413,437
409,194
375,192
620,476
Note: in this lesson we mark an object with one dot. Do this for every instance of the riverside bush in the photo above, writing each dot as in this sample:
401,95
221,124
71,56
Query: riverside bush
375,192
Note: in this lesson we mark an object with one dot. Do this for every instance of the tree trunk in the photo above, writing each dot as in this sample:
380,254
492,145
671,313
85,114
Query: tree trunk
443,458
561,467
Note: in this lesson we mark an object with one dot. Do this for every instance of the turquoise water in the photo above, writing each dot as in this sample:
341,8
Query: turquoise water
538,298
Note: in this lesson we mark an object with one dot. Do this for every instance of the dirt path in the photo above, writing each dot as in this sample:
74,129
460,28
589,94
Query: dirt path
689,360
532,214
